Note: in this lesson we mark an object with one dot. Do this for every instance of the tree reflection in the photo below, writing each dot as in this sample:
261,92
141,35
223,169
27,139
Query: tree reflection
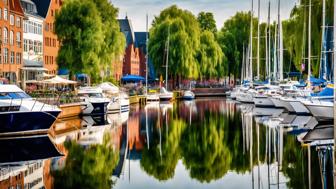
204,148
89,167
161,158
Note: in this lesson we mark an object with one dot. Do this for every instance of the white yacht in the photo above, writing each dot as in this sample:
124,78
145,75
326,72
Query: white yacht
119,99
322,109
188,95
20,113
165,95
94,103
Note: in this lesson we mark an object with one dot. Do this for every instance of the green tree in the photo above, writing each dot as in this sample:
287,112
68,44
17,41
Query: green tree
114,40
89,36
232,38
184,42
210,55
207,21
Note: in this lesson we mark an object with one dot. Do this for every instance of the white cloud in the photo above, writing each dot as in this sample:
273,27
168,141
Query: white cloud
136,10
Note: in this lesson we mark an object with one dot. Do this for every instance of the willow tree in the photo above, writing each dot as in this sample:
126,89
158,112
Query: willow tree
210,55
182,30
207,22
232,38
89,36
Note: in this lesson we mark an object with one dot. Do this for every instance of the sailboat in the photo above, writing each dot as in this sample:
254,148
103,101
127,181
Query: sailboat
166,95
150,97
245,93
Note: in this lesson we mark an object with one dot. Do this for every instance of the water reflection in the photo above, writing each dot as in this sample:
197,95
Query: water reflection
204,143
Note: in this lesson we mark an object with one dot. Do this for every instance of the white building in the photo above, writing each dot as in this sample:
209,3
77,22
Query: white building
32,69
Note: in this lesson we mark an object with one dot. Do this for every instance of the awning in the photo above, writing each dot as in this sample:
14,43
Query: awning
33,69
132,78
58,80
63,72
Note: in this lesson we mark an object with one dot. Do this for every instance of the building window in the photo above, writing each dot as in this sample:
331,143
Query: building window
0,56
11,38
31,45
18,22
11,20
12,57
5,56
0,13
25,45
5,33
52,12
18,39
18,58
5,14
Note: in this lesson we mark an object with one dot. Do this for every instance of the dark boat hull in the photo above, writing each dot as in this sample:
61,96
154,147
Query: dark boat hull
26,122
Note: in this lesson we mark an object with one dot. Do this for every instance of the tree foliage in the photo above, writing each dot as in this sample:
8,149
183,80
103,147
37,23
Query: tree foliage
89,36
207,21
210,55
184,34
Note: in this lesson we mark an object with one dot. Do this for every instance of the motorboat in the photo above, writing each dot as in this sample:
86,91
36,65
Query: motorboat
119,103
188,95
21,114
165,95
119,99
94,102
152,97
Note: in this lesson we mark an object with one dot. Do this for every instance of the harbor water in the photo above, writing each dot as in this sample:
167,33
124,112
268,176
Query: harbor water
205,143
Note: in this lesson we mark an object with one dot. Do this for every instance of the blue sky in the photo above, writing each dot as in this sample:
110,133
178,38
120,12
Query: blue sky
222,9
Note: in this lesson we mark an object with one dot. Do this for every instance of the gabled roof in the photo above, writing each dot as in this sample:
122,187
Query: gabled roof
127,29
42,7
30,10
15,6
140,38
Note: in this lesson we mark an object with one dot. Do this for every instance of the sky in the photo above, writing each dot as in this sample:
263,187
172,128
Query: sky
136,10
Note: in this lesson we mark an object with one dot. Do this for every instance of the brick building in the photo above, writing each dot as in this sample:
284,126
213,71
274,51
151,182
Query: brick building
11,31
48,9
140,38
131,61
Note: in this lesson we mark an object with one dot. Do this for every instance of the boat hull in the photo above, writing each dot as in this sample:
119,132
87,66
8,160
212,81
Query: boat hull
95,108
26,122
263,101
321,112
299,108
244,97
277,102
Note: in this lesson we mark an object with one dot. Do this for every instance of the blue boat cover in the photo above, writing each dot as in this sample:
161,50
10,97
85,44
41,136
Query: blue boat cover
132,78
63,71
328,91
316,81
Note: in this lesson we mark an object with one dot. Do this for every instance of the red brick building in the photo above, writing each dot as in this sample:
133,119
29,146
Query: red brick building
11,32
131,60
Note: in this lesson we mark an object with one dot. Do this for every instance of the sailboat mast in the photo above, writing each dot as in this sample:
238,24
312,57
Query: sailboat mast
167,58
275,59
269,41
251,42
243,66
146,54
323,63
258,44
309,44
280,44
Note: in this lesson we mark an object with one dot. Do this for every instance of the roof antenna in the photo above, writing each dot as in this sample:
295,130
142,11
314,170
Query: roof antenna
126,16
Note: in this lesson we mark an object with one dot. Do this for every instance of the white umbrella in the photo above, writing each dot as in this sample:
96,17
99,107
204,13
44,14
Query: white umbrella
58,80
